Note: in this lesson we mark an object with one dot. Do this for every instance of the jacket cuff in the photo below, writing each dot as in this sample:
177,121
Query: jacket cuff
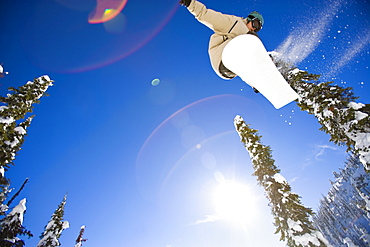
191,5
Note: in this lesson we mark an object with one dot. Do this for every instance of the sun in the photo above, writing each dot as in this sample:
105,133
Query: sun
235,202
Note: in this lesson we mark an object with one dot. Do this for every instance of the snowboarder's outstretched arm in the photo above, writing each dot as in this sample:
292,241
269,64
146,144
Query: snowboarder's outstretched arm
218,22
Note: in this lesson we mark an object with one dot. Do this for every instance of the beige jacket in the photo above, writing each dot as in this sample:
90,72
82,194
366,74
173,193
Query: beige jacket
226,27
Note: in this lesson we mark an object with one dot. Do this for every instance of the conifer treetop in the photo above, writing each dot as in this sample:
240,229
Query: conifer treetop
13,109
292,219
53,230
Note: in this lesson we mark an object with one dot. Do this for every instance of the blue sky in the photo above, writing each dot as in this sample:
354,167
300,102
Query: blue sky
141,163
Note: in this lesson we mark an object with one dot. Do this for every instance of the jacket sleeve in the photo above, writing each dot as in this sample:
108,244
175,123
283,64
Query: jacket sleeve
216,21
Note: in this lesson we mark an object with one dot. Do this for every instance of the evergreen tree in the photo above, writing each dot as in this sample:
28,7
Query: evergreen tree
13,109
53,230
349,199
291,217
347,122
11,227
80,238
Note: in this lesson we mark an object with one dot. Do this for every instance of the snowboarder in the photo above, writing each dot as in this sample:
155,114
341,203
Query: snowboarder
234,52
226,27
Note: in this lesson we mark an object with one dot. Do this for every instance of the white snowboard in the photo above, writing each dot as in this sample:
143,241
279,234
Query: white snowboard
246,56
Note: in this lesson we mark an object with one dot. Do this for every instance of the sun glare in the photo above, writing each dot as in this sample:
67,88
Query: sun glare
235,202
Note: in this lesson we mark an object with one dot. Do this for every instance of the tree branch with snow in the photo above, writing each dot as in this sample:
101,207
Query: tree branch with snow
347,122
11,227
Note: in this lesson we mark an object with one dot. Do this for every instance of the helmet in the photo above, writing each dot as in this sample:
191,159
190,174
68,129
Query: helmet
257,15
257,20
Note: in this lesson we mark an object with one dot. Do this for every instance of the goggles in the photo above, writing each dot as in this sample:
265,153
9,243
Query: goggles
256,23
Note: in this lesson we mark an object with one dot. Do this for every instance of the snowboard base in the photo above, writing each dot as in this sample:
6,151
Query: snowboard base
246,56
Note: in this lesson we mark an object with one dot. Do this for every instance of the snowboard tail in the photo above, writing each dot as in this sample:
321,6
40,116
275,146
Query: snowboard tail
246,56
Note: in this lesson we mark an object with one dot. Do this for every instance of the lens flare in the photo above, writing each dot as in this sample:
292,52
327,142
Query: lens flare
92,45
183,149
155,82
106,10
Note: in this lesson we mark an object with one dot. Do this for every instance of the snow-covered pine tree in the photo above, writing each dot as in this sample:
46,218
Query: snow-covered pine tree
2,73
292,219
13,108
347,122
53,230
11,227
80,238
344,214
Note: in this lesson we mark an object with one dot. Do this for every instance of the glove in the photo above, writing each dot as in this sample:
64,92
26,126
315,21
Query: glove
185,3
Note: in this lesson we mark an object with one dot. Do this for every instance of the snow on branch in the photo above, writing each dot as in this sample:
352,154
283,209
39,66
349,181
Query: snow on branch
11,226
2,73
